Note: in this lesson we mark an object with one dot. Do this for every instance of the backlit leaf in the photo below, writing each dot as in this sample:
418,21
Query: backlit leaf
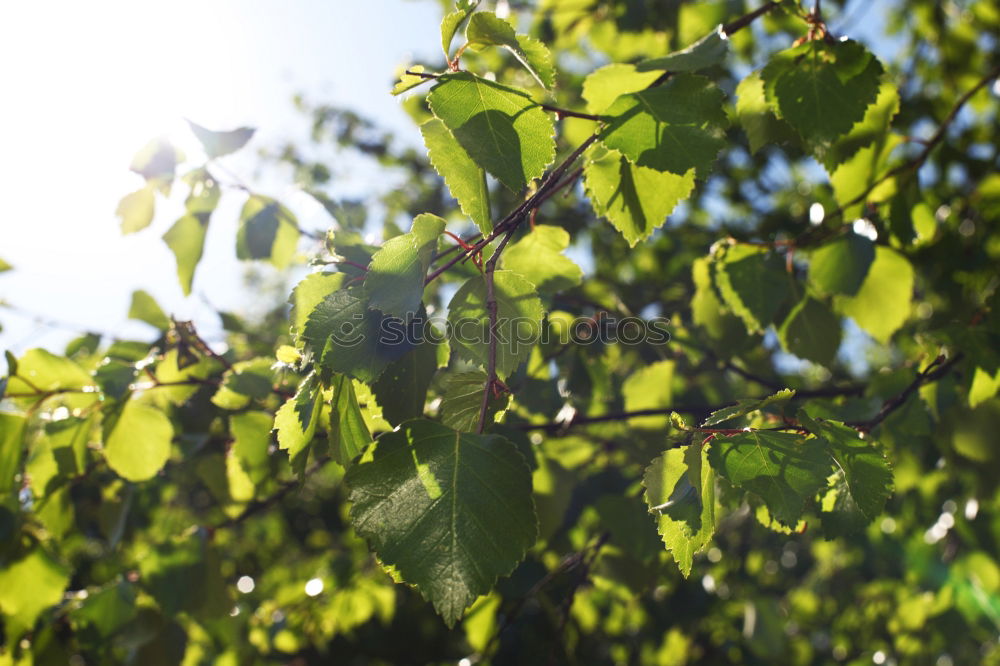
673,127
866,471
401,389
840,267
138,445
487,29
501,128
186,239
136,210
636,200
538,257
519,320
882,304
811,331
28,586
680,492
754,283
450,512
267,230
747,405
395,278
463,400
785,470
465,180
348,433
710,50
145,308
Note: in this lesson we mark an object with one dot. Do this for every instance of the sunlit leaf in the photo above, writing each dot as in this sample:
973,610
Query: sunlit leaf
450,512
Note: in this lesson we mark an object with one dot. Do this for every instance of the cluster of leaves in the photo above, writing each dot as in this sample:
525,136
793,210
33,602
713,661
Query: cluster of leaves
520,456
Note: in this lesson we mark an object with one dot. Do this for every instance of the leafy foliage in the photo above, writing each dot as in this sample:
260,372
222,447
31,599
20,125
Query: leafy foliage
634,218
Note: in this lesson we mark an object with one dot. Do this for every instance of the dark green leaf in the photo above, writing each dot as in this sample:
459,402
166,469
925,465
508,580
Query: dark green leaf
840,267
783,469
395,279
811,332
463,400
762,126
401,389
822,88
451,512
674,127
245,381
519,320
866,471
753,283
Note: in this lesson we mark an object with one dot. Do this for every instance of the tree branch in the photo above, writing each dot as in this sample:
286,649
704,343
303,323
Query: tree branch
491,310
938,368
745,20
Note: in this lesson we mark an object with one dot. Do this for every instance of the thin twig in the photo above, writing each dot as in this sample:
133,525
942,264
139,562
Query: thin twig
745,20
491,310
938,368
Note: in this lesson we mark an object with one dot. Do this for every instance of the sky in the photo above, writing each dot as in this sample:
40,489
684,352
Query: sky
88,84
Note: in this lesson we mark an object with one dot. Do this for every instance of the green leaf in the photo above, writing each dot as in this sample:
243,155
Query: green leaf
871,129
465,180
753,283
882,304
519,320
219,143
636,200
463,399
538,257
267,230
40,371
450,512
763,128
409,81
251,438
401,389
866,471
204,194
680,492
710,50
186,239
487,29
351,338
245,381
4,266
747,405
348,433
28,587
145,308
783,469
649,388
862,171
984,386
296,421
453,21
69,438
538,60
822,88
840,267
674,127
811,331
603,86
138,444
710,313
501,128
11,448
395,278
136,210
309,293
